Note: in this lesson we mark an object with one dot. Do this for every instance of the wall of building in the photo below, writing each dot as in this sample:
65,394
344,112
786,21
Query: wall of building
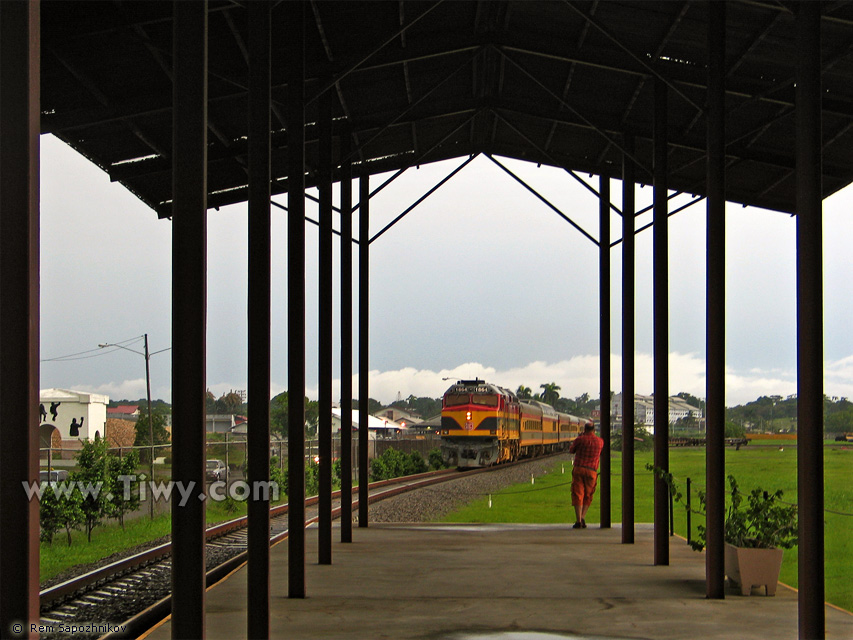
75,415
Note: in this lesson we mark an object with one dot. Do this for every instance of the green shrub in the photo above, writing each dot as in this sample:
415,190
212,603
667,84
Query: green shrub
436,462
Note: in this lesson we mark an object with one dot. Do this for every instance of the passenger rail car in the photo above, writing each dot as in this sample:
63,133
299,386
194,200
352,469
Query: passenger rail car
483,424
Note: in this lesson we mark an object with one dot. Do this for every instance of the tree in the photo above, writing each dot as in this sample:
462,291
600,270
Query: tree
734,430
691,400
61,511
523,393
550,393
841,422
209,402
279,414
123,496
143,435
372,405
93,480
229,403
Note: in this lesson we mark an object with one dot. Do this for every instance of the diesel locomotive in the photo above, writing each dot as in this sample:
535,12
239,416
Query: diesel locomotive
483,424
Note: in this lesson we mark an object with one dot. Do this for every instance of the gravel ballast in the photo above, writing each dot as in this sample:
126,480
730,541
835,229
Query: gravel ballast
435,502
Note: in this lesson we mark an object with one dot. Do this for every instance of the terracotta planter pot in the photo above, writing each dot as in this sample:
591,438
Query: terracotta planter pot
747,568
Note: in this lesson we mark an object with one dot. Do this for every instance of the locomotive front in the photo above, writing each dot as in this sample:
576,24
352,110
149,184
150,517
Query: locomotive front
479,424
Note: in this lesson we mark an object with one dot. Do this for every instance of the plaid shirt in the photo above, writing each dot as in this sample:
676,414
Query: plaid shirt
587,449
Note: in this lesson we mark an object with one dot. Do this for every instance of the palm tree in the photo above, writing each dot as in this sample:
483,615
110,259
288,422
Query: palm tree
524,393
550,393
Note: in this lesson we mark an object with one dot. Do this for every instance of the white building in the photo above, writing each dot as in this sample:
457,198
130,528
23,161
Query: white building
74,415
644,409
376,427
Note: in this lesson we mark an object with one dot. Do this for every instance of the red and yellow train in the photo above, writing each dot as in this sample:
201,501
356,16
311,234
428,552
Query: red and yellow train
483,424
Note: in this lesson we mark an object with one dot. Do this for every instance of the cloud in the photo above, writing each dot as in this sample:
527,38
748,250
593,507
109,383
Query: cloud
575,376
124,390
580,375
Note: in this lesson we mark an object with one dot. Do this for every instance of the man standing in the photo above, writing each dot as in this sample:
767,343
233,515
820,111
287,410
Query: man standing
587,449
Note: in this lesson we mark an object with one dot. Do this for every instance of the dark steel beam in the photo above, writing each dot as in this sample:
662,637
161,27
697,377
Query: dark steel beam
628,206
363,343
294,36
604,341
346,339
715,305
422,198
668,215
528,140
661,326
324,426
316,223
810,483
92,87
259,316
19,327
343,133
368,56
586,121
642,80
189,315
544,200
408,109
659,77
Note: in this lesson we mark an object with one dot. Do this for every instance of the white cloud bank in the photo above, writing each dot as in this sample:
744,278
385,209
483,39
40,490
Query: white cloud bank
580,375
575,376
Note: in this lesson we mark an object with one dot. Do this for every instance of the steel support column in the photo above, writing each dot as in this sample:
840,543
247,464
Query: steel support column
294,36
20,43
346,337
189,315
324,426
810,484
661,329
628,206
715,314
363,362
604,338
259,286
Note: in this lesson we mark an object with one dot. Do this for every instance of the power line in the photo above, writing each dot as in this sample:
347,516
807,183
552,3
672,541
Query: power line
81,355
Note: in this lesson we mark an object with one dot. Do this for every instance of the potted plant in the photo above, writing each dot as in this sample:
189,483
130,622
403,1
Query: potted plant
757,527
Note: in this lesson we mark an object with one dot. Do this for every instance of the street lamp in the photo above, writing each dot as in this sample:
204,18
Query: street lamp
147,357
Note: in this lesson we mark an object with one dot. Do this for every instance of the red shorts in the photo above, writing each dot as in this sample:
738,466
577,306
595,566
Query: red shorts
583,486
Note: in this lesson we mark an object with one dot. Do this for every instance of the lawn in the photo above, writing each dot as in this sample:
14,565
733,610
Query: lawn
771,468
111,538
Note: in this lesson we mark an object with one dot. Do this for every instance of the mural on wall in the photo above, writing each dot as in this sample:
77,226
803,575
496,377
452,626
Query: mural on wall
75,428
54,409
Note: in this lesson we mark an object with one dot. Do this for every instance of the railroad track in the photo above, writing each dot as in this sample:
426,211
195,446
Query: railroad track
135,591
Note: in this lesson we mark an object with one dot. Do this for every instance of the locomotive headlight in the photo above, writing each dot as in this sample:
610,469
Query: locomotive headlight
468,415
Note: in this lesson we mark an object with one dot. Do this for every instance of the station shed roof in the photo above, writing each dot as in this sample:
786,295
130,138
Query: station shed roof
553,82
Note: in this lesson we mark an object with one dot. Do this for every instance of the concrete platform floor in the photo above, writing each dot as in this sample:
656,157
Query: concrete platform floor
508,582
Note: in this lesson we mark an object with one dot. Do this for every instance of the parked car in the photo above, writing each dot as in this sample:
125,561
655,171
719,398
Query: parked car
215,470
54,476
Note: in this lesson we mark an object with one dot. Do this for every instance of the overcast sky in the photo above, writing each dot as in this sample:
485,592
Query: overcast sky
482,279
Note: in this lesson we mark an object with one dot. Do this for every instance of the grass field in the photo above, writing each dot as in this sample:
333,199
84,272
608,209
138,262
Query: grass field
549,501
111,538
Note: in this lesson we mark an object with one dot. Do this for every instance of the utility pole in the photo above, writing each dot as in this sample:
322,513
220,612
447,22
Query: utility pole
150,428
147,355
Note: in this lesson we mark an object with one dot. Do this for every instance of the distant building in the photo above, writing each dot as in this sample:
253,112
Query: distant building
68,417
398,415
224,423
376,427
644,409
124,412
